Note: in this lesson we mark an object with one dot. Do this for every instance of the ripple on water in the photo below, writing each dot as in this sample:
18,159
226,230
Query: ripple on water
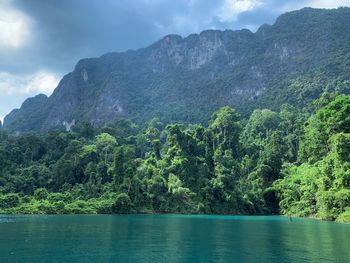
6,219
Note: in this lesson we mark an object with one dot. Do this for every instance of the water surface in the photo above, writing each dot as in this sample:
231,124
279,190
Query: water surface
171,238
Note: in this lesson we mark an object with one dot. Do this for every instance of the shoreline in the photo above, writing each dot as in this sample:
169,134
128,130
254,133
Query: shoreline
313,217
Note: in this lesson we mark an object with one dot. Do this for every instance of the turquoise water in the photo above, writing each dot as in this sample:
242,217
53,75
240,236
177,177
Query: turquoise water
171,238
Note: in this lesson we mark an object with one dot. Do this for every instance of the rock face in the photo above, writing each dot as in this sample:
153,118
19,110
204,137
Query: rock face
30,114
186,79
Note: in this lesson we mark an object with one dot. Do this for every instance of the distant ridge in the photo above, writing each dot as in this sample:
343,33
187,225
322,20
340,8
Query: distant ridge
185,79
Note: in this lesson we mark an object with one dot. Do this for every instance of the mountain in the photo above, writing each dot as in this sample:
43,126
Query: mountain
185,79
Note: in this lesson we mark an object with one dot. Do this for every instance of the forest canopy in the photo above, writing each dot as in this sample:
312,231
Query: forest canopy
290,162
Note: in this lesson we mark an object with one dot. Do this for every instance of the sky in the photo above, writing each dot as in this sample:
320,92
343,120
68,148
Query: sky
42,40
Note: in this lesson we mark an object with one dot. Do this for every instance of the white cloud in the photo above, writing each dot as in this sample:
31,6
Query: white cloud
14,89
14,26
40,82
229,11
327,3
290,6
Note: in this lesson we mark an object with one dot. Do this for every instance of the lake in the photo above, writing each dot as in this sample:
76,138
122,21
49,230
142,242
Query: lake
171,238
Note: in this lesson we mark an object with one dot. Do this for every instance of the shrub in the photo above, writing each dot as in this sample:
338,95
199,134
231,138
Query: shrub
9,200
122,204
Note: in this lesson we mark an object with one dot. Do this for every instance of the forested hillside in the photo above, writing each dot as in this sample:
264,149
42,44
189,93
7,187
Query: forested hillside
301,55
289,161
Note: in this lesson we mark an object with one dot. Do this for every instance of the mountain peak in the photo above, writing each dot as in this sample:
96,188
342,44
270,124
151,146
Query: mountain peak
185,79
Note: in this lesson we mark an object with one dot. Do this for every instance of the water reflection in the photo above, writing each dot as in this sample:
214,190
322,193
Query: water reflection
171,238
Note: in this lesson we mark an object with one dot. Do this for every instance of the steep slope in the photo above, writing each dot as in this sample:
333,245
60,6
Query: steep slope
185,79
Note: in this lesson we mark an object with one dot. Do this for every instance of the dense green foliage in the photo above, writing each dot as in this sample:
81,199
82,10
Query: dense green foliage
319,185
274,162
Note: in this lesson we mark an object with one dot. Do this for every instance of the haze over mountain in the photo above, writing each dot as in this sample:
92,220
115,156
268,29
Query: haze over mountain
185,79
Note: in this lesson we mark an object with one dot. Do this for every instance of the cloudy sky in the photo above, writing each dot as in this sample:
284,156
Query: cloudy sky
41,40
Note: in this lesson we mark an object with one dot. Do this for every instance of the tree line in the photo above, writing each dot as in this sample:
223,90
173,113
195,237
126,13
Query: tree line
290,162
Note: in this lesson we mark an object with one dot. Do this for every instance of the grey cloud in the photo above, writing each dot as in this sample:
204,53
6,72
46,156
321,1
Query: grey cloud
64,31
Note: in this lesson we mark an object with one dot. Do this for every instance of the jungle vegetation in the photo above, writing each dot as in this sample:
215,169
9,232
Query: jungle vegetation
291,161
